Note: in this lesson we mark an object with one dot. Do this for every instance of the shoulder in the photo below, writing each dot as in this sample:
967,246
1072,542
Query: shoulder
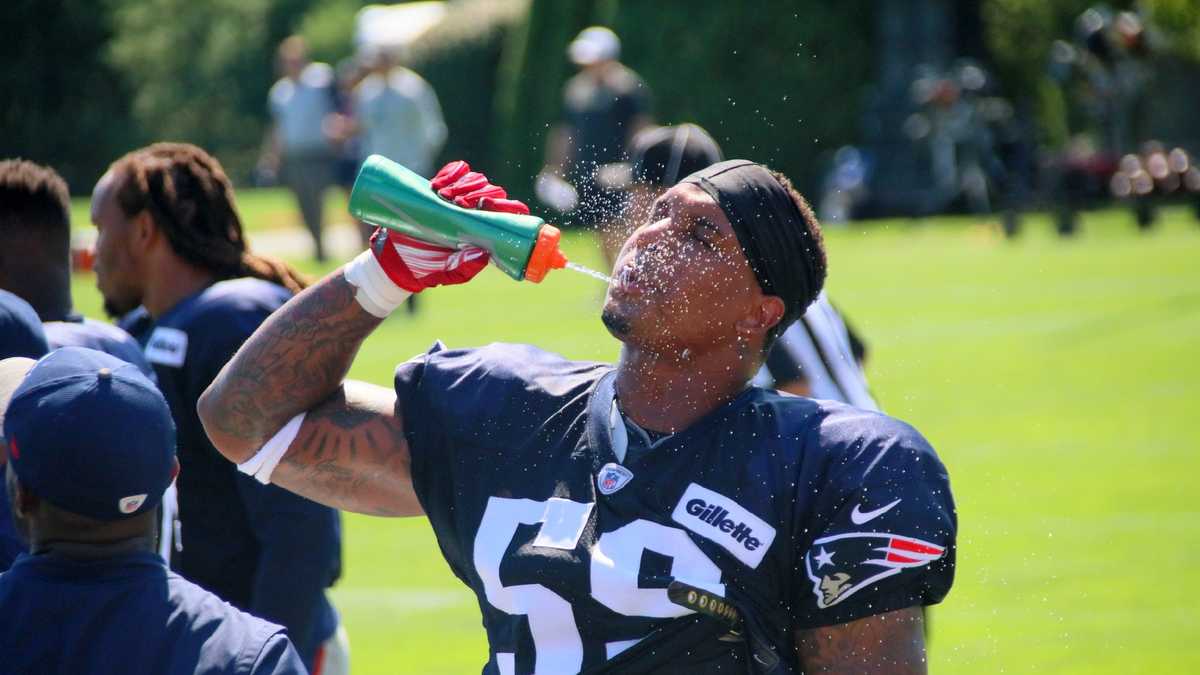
214,323
495,380
281,91
841,443
230,299
97,335
369,88
408,81
21,331
869,447
518,364
232,640
625,81
317,75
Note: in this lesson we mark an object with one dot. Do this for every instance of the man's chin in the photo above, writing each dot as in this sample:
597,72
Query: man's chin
116,310
617,324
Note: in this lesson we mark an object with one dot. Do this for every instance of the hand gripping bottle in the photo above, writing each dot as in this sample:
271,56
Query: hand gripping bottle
387,194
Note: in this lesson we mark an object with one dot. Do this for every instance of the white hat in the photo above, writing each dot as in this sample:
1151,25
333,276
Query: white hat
593,45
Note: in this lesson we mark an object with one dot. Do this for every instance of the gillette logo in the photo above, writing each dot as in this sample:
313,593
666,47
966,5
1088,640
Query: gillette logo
724,522
715,515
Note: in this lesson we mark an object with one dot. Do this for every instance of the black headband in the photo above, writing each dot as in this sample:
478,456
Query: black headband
770,229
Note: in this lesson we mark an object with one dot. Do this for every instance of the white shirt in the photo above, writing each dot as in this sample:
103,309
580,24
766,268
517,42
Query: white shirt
400,119
300,106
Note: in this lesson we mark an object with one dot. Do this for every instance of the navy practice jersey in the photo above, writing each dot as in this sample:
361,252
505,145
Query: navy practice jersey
262,548
78,331
128,615
798,513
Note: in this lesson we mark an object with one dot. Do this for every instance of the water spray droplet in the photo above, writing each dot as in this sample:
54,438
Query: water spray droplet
589,272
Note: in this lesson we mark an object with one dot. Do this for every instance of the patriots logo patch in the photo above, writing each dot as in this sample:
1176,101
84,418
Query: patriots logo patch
843,564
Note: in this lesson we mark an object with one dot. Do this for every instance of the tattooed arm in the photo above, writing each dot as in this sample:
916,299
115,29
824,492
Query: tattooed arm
350,452
891,644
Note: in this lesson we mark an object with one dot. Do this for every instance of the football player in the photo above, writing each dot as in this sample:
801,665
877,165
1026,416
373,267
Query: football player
35,260
656,515
171,257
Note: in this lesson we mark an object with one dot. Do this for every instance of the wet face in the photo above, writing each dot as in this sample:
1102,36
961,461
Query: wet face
115,265
681,280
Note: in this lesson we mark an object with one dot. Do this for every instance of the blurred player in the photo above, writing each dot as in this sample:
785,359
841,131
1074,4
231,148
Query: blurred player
21,334
659,515
819,356
604,105
35,260
172,258
91,596
299,148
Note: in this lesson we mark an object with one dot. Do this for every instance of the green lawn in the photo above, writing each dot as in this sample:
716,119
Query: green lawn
1055,378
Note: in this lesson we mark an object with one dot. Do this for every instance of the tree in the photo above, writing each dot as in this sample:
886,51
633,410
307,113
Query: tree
200,71
63,106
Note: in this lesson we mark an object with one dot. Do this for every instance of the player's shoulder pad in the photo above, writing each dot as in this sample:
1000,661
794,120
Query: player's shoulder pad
863,447
496,380
231,299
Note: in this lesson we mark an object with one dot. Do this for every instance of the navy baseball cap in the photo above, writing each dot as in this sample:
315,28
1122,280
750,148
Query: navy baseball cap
21,331
90,434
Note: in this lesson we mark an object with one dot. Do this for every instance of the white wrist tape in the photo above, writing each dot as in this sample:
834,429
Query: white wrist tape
263,463
377,294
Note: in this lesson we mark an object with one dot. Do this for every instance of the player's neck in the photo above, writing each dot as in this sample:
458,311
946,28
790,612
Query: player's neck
46,288
173,283
670,393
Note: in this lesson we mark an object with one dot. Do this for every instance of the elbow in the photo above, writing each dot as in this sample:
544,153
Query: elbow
208,406
214,414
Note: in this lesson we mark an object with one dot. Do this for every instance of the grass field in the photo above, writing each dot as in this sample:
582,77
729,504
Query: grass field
1057,379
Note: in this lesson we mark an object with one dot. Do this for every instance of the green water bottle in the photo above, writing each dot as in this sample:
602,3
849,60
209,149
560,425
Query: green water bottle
387,194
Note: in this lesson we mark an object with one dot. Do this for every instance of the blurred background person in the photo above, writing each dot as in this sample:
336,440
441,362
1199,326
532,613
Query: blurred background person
819,356
300,150
35,260
171,256
92,597
21,335
397,115
604,106
35,264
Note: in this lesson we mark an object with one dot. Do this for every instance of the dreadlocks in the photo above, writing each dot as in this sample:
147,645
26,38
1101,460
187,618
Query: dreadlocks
188,195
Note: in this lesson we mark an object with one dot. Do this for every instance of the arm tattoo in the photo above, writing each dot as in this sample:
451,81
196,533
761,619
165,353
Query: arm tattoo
351,454
891,643
295,359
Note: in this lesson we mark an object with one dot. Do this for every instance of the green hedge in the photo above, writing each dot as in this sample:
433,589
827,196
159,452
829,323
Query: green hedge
460,58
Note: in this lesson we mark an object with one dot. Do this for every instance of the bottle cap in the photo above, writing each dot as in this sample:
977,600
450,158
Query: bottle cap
545,255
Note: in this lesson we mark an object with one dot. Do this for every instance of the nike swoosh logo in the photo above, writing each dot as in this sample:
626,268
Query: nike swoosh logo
859,517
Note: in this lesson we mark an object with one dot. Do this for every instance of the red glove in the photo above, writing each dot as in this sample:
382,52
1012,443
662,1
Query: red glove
456,182
415,265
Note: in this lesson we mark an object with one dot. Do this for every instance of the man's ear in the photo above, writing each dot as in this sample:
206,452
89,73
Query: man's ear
765,314
24,502
145,231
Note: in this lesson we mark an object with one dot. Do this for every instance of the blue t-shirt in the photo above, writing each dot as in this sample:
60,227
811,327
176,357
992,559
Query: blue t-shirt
799,513
78,331
127,615
264,549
